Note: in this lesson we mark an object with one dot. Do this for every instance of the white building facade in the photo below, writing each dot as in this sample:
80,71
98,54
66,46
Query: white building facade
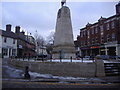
8,45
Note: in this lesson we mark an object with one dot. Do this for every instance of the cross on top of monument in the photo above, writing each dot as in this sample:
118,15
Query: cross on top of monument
63,2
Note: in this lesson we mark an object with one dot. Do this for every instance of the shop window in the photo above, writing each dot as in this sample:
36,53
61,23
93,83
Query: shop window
5,39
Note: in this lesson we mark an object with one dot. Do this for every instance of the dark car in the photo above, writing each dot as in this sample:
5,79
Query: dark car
104,57
42,56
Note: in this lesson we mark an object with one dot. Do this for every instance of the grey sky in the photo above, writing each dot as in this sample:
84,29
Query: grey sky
41,16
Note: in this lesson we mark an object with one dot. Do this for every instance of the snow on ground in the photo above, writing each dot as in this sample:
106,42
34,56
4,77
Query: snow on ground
68,60
49,76
12,72
56,60
17,73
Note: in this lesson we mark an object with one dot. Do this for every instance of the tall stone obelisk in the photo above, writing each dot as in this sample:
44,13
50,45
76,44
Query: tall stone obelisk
63,43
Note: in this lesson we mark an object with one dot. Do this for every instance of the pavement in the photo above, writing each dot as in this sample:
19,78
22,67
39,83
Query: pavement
12,78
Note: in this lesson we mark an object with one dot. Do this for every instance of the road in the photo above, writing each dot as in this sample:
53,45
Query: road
21,84
12,78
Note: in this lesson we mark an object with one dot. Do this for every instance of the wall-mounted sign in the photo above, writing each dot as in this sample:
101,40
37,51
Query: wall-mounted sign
94,47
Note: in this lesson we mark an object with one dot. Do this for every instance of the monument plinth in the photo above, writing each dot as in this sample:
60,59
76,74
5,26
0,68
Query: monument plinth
63,43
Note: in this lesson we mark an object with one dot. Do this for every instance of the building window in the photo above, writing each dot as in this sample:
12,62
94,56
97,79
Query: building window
88,41
113,36
88,32
13,52
108,37
102,39
81,34
4,51
5,39
113,24
93,31
96,30
13,41
96,40
84,33
92,40
108,26
101,28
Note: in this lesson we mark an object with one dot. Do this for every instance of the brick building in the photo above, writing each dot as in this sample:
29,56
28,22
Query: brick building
102,37
25,43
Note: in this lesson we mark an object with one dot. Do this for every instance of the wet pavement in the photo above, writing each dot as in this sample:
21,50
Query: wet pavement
13,77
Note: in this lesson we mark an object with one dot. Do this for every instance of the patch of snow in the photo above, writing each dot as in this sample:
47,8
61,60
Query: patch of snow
68,60
38,75
110,61
12,72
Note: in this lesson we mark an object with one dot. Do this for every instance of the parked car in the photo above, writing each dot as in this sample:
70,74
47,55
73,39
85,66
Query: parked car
103,57
89,57
42,56
86,57
113,57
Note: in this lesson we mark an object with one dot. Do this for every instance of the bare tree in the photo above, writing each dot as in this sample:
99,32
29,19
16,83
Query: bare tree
40,41
50,38
50,41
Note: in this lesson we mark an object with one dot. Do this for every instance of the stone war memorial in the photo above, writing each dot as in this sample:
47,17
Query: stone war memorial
63,49
63,44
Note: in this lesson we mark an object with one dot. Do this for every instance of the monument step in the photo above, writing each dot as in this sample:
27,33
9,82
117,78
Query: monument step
112,69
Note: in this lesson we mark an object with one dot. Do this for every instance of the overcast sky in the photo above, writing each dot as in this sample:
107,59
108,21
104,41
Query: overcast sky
41,16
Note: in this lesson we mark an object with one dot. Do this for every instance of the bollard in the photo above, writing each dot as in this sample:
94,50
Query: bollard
27,75
60,59
71,58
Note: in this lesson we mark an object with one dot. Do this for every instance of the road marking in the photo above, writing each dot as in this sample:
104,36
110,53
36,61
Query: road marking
58,83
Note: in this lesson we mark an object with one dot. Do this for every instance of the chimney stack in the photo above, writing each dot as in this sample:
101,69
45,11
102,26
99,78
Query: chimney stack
118,9
8,27
17,29
23,32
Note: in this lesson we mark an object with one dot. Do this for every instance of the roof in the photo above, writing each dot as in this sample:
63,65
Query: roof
8,34
100,19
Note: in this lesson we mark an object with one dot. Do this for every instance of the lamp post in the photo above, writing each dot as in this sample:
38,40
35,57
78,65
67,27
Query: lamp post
42,50
60,55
